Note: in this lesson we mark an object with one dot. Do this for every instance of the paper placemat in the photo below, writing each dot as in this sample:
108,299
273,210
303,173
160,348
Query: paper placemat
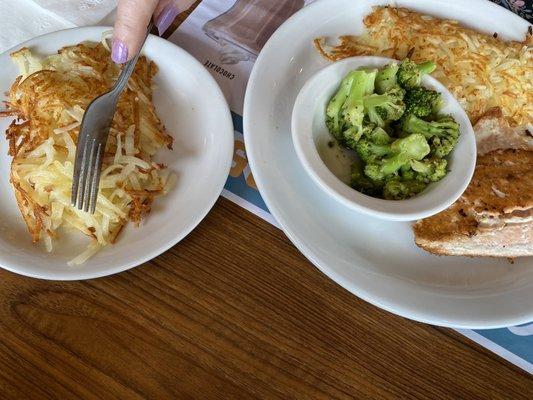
211,35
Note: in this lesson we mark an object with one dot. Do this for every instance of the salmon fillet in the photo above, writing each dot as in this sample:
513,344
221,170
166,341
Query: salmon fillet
494,217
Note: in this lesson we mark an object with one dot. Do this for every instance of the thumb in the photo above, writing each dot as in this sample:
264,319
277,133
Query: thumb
133,17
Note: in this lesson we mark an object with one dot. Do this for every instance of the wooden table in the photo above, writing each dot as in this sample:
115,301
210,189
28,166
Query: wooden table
232,312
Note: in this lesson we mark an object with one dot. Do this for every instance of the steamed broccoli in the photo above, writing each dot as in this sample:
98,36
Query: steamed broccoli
422,102
430,170
406,173
396,189
402,151
383,108
386,78
373,146
414,147
410,73
442,133
443,126
380,136
363,184
391,122
362,85
412,178
333,110
442,146
352,135
345,111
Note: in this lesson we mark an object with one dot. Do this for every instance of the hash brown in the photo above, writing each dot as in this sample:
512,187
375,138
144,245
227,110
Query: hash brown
481,70
48,101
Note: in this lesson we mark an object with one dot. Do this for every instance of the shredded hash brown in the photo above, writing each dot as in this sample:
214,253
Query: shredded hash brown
482,71
48,101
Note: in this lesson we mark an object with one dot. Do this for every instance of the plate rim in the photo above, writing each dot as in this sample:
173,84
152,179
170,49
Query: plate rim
228,141
402,311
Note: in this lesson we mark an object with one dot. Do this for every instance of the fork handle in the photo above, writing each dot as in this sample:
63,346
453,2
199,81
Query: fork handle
124,76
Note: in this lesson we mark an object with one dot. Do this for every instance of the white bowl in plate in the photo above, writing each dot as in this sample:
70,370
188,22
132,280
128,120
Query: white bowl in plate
329,166
203,150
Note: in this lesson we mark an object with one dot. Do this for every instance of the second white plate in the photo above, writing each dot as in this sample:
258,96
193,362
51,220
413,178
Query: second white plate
373,259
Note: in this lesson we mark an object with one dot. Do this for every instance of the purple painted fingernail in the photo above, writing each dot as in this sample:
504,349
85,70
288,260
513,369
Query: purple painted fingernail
119,52
166,18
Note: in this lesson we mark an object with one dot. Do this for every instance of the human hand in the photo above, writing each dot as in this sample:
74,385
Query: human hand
133,16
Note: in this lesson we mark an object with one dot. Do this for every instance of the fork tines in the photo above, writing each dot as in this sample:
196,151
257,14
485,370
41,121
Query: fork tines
86,176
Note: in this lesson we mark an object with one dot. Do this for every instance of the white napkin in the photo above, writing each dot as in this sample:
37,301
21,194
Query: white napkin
79,12
21,20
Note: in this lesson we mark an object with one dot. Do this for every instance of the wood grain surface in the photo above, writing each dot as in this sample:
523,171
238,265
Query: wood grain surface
232,312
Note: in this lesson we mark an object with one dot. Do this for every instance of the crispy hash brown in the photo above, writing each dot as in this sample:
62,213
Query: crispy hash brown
482,71
48,101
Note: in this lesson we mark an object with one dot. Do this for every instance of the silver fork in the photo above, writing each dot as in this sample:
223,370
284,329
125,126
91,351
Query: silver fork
92,140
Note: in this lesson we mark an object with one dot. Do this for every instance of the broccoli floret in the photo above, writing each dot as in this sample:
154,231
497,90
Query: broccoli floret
375,172
352,135
422,102
370,152
396,189
386,78
352,111
407,173
362,85
333,110
345,111
384,108
378,116
373,146
413,147
369,82
402,151
363,184
410,73
380,136
442,146
442,134
430,170
442,127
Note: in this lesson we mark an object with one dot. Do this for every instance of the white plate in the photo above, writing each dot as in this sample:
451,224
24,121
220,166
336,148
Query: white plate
374,259
194,111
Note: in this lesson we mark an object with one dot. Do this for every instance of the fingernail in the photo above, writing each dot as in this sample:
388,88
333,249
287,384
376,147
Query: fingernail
166,18
119,52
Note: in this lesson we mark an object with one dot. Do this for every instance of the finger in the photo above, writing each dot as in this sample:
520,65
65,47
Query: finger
133,16
167,11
